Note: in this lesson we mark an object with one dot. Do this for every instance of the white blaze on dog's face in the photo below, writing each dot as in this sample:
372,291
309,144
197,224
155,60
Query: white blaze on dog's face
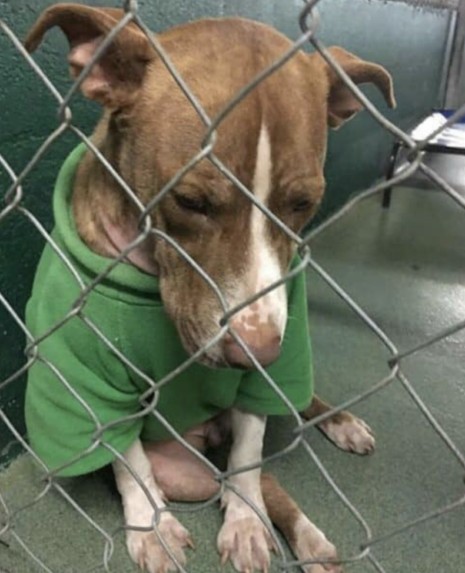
273,141
265,267
261,325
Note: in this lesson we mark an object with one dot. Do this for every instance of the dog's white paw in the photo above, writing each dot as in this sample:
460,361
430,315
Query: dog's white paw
311,543
349,433
147,551
246,542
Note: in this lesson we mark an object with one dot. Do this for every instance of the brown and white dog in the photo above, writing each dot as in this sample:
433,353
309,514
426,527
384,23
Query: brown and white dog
274,142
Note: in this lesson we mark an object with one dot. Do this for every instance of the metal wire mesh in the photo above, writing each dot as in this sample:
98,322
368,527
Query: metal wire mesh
13,202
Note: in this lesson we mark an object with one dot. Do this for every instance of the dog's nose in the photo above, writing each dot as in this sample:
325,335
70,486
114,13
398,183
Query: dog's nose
265,347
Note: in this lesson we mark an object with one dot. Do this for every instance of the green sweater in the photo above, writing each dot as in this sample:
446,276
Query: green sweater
89,387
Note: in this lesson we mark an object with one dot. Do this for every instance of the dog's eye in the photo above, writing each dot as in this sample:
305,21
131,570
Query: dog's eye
199,205
301,205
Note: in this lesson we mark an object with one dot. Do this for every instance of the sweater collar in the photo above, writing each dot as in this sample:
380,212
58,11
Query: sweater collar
123,276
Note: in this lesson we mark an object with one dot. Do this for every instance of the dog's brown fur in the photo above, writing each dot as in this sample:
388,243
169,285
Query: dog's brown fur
150,130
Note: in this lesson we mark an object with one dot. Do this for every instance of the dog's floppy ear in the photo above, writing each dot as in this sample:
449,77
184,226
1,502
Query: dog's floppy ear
342,104
116,76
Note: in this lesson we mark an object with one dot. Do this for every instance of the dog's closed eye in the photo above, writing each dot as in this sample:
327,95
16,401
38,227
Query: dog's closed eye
196,204
302,205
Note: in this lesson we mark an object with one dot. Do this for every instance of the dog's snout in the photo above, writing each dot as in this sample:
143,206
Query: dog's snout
264,345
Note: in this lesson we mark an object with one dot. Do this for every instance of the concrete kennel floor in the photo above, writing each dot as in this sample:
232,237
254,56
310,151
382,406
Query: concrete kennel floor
406,267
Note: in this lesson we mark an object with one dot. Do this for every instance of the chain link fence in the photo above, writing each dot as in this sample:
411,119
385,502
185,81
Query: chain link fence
13,203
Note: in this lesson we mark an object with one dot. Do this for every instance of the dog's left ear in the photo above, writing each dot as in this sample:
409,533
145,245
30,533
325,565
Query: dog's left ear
342,104
115,78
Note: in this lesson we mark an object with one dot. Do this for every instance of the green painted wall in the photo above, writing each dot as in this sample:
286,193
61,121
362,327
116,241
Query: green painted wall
409,42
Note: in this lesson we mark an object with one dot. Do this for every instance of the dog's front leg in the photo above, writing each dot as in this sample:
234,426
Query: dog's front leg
145,547
243,537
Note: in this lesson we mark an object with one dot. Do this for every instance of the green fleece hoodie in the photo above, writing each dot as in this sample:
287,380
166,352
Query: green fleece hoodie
89,386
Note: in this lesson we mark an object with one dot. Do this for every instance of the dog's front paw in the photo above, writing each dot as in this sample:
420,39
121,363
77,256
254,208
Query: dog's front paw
311,543
246,542
148,552
349,433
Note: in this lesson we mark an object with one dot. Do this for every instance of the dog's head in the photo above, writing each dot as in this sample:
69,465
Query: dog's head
273,141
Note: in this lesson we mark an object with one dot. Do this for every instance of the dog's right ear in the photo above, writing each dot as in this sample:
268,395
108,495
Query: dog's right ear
342,104
115,78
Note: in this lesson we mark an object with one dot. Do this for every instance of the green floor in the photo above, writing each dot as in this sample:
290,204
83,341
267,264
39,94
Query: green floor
406,267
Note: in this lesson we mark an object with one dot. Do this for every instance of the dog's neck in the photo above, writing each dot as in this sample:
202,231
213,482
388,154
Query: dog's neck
105,218
116,239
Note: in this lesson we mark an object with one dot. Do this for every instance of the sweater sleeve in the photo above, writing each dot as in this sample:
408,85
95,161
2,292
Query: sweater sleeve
79,397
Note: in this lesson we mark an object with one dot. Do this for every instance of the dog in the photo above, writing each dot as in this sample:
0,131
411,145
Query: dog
274,143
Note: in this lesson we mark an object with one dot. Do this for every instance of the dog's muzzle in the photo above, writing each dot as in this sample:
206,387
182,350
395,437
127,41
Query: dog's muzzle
264,343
